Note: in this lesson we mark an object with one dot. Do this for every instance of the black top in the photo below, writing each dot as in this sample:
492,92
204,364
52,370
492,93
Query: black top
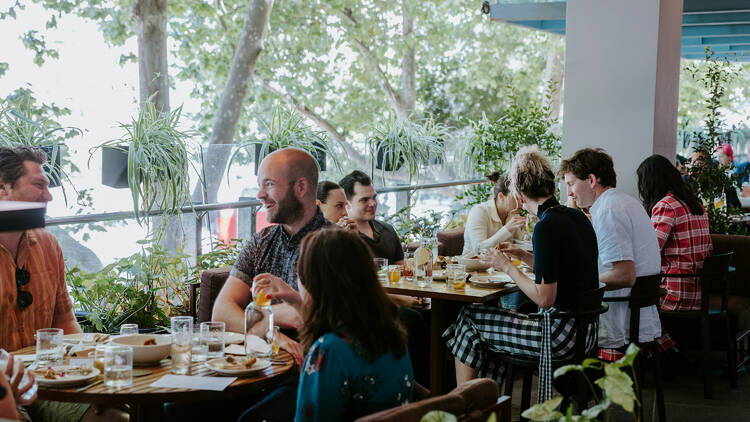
565,251
385,242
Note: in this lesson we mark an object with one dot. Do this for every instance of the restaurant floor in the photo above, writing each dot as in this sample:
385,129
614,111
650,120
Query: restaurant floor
683,397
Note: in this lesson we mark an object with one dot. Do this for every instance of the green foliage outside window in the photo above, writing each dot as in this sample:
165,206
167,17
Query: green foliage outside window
496,141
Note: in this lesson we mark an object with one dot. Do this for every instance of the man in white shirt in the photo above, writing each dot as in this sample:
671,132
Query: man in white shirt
628,247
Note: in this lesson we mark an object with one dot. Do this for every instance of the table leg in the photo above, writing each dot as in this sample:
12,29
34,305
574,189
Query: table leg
146,412
443,314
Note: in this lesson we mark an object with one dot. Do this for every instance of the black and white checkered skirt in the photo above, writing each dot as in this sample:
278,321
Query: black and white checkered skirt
481,329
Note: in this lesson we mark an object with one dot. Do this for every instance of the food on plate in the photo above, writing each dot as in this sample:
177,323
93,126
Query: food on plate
60,373
249,362
150,342
100,338
235,362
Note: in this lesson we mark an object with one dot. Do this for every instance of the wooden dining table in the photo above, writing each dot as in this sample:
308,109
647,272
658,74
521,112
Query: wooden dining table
445,305
145,403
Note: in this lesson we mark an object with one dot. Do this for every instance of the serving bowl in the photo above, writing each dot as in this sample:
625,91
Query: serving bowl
472,264
147,353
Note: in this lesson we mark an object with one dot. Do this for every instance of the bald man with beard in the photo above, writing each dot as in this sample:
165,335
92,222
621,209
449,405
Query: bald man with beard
288,181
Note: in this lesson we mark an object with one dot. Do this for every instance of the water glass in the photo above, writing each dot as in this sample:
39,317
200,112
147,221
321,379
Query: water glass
128,329
275,346
118,366
455,275
182,338
199,350
381,267
212,336
394,274
423,259
49,347
99,357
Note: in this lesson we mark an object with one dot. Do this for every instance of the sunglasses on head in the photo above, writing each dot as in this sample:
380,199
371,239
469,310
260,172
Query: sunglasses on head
22,278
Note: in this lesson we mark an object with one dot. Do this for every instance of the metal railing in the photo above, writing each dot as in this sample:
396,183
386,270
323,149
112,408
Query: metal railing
200,210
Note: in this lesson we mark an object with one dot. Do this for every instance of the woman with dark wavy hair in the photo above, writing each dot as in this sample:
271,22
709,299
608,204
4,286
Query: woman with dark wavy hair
681,226
357,361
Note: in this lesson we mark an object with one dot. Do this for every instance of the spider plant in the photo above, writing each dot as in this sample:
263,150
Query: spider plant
17,128
411,142
158,164
286,128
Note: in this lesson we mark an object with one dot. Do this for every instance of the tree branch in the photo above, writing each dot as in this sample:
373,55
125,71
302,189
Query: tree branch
391,95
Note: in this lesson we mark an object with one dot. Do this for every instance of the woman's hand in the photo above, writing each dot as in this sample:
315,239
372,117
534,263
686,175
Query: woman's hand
294,348
348,223
516,222
497,260
275,288
516,252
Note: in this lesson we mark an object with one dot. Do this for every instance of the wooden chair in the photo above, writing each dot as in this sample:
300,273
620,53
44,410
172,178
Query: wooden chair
713,277
586,312
645,293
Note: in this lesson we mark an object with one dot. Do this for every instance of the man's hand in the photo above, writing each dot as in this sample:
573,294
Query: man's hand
294,348
348,223
276,288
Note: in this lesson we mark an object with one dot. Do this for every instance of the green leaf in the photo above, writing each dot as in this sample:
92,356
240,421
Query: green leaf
544,411
438,416
618,387
594,411
565,369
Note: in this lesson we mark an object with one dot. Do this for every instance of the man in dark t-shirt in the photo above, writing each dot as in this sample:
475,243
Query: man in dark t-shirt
363,203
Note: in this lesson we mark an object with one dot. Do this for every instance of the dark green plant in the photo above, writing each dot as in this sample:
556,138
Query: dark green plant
410,228
222,255
145,288
616,386
496,141
710,180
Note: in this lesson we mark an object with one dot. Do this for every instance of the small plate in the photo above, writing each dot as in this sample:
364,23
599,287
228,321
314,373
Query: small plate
438,275
216,365
495,280
233,338
66,381
86,338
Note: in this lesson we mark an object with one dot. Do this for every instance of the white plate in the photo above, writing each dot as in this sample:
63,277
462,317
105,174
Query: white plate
495,280
83,338
67,381
438,275
233,338
215,365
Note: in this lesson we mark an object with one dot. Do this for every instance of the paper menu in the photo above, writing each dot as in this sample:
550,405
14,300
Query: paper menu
193,382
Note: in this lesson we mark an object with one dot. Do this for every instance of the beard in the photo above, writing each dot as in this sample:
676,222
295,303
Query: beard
288,210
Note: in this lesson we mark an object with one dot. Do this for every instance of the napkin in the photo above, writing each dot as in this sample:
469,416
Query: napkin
235,349
193,382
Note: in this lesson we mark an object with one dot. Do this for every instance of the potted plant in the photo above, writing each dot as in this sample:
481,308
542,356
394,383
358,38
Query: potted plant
286,128
18,129
397,142
157,165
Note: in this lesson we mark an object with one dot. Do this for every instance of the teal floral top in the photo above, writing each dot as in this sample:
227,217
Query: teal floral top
339,384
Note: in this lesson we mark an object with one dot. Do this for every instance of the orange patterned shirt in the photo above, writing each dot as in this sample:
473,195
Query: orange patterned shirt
40,254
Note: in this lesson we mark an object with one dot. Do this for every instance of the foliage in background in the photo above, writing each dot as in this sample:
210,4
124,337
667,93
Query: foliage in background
496,141
412,143
158,163
410,228
222,255
615,384
709,179
145,288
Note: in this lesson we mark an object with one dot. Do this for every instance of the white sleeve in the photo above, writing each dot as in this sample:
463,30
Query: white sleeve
500,236
476,227
613,238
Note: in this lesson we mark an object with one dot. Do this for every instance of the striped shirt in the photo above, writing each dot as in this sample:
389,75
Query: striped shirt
40,254
685,241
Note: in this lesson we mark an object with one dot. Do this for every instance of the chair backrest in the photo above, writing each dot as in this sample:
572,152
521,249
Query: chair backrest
715,279
452,240
211,283
645,292
740,245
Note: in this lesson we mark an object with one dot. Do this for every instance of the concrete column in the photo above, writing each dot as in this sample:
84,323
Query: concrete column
622,68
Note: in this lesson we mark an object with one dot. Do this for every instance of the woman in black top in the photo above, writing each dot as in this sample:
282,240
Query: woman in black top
564,262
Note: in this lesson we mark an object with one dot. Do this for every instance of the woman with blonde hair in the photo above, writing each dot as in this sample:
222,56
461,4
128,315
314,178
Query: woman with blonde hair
495,220
564,263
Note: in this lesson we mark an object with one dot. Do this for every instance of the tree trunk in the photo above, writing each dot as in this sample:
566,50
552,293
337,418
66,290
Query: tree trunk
408,78
151,20
553,74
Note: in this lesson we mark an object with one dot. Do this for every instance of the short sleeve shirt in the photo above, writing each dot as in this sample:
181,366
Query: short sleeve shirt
273,251
564,251
624,233
384,242
40,254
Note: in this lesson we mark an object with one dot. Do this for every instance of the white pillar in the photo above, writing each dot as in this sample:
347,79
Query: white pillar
622,62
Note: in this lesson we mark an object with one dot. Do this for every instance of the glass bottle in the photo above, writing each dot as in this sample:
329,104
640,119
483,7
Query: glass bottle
423,258
259,326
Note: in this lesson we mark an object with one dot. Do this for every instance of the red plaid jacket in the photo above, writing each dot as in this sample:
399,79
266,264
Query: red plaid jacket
685,242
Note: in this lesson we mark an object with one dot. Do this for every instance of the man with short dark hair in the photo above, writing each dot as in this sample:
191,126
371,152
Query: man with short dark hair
627,243
363,204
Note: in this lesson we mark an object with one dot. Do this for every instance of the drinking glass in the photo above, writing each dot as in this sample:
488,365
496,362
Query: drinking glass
423,258
381,266
276,339
99,357
408,265
199,350
49,347
182,336
118,366
455,275
212,336
128,329
394,274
